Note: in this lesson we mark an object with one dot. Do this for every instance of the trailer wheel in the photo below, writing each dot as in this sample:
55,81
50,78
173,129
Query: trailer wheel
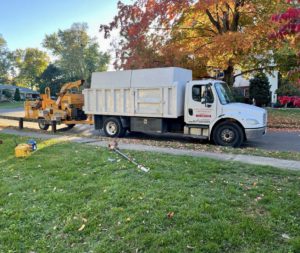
113,128
70,126
42,124
228,134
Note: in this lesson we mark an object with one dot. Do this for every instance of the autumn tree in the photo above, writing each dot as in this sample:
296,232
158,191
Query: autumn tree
78,54
287,57
209,34
30,64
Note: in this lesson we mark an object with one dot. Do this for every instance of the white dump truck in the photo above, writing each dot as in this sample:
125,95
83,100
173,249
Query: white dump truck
167,100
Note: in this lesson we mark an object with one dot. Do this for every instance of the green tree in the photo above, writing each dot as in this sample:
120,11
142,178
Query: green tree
53,78
287,61
30,64
260,89
5,62
286,88
78,54
17,96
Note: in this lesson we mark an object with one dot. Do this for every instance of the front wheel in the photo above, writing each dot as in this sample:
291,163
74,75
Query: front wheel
228,134
43,125
113,128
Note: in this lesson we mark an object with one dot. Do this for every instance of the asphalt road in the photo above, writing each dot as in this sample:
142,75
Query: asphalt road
273,140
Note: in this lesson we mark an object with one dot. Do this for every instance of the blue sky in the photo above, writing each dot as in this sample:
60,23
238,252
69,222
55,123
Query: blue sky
24,23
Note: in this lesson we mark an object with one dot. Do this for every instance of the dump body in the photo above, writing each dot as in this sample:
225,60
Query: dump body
157,92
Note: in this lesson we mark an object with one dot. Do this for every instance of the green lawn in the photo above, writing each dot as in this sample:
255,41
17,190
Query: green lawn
11,105
70,198
284,118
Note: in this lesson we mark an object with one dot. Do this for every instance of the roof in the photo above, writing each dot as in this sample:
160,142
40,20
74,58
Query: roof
21,89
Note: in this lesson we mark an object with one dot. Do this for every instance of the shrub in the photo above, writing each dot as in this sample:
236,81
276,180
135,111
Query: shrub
7,94
287,89
260,89
17,96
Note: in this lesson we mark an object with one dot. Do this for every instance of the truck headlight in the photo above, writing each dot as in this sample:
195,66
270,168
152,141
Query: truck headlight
252,122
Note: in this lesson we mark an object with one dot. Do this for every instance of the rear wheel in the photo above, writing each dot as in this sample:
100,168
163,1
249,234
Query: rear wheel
42,124
228,134
70,126
113,128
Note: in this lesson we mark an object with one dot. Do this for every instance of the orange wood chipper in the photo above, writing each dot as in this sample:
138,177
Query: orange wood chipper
66,109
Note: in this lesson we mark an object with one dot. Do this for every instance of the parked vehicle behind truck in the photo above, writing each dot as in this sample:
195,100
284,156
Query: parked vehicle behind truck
167,100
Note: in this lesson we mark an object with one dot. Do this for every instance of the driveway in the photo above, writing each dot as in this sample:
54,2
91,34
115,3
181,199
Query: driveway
273,140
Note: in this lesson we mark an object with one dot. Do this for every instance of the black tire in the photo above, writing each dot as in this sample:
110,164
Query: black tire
228,134
70,126
42,124
113,128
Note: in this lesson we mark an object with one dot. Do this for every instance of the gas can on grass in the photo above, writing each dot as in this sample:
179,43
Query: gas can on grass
23,150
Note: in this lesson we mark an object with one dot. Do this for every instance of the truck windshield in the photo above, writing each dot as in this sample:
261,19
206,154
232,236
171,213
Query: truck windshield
224,93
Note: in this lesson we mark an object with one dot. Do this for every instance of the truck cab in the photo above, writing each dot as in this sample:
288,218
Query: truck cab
210,112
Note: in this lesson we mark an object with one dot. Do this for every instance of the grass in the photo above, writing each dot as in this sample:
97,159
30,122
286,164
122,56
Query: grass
11,105
194,144
70,198
284,118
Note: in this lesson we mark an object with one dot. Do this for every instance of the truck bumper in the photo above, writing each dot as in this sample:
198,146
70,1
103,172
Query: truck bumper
255,133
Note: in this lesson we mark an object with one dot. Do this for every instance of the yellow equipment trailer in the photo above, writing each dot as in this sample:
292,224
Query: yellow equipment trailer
66,109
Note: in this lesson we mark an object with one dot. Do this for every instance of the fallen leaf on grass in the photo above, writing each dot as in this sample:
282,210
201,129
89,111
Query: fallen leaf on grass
190,247
112,160
258,198
170,215
286,236
82,227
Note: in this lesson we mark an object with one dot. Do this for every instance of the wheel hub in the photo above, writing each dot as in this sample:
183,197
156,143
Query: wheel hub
227,135
111,128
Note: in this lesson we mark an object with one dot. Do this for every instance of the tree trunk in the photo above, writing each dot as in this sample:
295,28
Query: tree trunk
229,75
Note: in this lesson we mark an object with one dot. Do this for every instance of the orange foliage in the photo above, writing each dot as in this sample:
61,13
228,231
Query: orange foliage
195,34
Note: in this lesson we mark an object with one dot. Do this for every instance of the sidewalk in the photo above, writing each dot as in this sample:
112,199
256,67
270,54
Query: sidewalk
255,160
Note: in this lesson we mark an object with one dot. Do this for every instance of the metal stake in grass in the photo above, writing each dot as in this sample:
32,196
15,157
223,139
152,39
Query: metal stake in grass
114,147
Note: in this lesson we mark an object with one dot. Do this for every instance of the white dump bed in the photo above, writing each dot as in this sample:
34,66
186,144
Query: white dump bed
157,92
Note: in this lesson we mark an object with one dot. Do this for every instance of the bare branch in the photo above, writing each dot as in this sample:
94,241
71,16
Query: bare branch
255,69
213,21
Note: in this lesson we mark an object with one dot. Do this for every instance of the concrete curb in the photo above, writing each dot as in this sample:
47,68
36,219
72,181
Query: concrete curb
254,160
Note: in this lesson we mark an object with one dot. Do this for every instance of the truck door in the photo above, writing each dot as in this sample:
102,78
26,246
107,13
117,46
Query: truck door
200,104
